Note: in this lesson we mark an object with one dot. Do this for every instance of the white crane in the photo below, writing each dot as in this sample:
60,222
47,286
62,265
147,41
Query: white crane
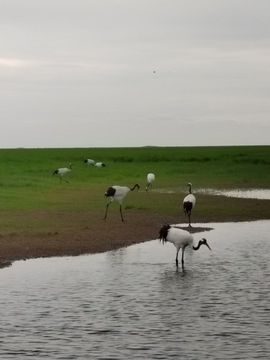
118,193
181,239
189,203
61,172
89,162
150,178
99,164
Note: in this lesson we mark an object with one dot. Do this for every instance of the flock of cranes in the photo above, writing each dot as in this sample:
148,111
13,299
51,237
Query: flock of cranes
62,172
168,233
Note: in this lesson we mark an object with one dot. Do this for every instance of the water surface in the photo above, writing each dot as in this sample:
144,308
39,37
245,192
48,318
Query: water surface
262,194
134,304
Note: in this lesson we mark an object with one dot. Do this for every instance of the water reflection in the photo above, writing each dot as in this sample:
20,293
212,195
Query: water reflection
262,194
134,304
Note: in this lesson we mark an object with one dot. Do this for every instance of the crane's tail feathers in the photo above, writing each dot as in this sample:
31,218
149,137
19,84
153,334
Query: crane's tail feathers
187,206
163,232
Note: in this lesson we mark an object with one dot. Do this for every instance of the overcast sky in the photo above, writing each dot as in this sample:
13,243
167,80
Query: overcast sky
87,73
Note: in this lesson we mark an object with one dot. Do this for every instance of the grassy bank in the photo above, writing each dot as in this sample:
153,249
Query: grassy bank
27,186
40,216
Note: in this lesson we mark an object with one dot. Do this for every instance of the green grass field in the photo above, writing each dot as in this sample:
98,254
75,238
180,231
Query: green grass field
27,184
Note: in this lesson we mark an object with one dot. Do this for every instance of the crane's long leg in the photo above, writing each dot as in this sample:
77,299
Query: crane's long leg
121,213
182,258
106,211
189,224
176,259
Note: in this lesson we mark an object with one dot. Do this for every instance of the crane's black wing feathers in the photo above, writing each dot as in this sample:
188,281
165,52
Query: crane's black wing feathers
110,192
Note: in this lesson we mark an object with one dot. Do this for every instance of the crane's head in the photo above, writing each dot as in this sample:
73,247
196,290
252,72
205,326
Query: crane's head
204,242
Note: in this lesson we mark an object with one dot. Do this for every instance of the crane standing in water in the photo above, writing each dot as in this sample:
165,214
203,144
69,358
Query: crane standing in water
181,239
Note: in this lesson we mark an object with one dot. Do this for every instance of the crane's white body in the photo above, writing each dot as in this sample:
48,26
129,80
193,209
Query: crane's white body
61,172
120,193
89,162
99,164
181,239
190,198
150,178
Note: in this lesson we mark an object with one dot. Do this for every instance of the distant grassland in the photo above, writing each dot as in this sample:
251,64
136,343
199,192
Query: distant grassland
27,184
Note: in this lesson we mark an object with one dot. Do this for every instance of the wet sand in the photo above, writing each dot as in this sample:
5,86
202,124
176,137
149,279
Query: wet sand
87,233
95,236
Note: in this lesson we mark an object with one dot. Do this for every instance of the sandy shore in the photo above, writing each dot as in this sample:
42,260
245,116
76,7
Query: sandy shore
87,233
97,236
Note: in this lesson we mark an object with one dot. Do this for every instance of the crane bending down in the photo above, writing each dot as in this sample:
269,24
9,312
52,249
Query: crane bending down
181,239
89,162
99,164
189,203
150,178
61,172
118,193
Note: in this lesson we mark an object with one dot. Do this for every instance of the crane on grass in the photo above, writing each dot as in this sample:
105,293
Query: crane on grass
189,203
62,172
89,162
150,178
118,193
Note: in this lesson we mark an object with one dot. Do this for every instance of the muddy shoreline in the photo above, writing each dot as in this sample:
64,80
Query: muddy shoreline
95,237
98,236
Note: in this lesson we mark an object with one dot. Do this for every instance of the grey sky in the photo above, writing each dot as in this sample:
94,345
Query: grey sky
134,72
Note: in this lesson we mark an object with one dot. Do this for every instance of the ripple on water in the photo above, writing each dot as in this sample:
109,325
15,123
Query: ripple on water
135,304
263,194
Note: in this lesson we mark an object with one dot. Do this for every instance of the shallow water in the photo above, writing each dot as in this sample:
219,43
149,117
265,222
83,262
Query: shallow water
262,194
134,304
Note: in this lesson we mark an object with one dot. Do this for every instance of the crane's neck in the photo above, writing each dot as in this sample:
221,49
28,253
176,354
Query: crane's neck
189,188
198,246
134,187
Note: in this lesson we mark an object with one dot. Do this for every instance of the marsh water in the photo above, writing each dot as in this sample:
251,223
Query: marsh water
134,303
262,194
